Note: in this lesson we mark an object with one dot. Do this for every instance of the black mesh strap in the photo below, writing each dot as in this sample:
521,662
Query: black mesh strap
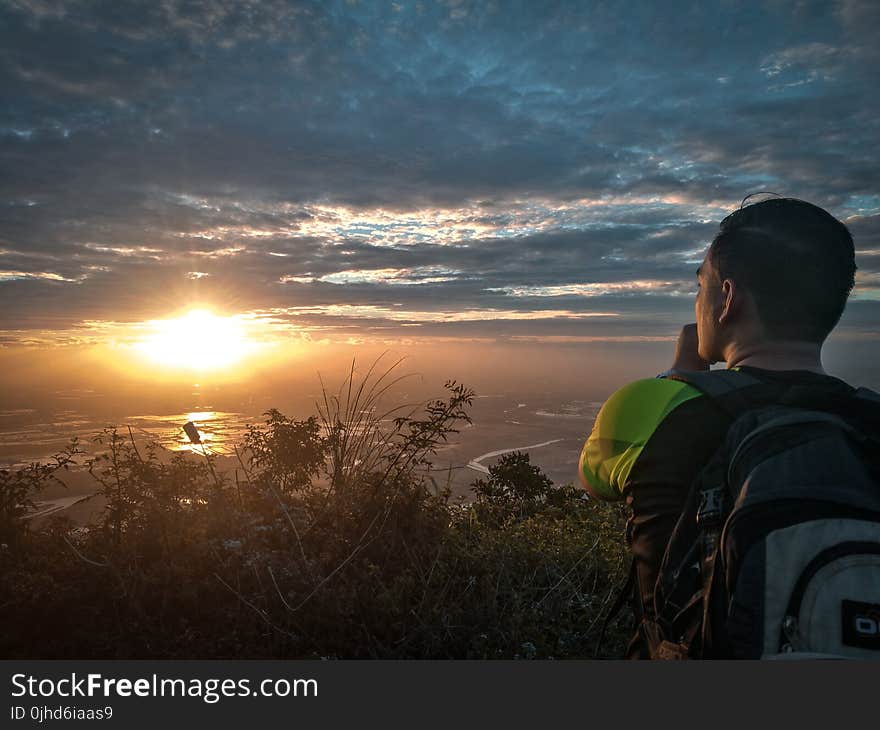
714,383
867,394
733,391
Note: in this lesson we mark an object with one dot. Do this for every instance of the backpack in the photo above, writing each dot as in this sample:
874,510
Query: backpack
776,553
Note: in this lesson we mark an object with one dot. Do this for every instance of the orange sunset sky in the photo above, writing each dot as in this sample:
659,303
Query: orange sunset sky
192,193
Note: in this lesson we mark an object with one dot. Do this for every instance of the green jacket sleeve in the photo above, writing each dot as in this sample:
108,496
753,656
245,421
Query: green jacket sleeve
622,427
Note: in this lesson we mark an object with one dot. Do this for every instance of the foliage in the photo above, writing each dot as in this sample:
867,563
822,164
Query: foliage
285,453
331,541
19,487
517,489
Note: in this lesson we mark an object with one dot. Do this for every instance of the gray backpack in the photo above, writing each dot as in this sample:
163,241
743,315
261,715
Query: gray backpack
777,551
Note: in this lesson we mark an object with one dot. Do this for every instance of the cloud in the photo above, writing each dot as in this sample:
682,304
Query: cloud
810,62
452,168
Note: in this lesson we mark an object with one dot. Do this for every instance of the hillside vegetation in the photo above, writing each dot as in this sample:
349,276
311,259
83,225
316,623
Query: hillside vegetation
334,538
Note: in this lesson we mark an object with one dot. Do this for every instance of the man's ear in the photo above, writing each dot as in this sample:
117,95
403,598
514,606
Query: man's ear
729,300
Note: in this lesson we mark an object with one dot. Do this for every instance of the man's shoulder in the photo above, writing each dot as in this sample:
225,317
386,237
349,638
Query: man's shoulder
625,423
636,409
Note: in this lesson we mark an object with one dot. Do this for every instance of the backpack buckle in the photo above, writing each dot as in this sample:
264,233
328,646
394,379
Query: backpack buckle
668,651
711,506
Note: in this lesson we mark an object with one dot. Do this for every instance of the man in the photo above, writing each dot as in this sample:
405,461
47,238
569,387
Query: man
772,286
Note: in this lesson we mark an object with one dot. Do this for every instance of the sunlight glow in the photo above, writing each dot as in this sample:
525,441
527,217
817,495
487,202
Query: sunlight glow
199,340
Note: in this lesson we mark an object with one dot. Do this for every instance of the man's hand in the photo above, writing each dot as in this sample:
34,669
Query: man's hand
687,355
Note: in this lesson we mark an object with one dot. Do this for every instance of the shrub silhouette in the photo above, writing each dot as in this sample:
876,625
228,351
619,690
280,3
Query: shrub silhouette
517,489
19,487
331,539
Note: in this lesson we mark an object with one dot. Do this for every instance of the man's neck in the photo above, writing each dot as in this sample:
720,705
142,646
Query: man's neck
782,355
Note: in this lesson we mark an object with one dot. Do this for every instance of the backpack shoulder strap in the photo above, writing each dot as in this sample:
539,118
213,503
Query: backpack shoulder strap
867,394
733,391
858,406
714,383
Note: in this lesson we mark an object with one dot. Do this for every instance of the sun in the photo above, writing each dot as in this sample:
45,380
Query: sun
197,340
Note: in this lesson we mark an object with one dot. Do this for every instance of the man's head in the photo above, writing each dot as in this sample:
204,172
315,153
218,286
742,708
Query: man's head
778,270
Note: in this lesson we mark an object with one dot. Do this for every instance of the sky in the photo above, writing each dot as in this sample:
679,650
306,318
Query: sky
514,187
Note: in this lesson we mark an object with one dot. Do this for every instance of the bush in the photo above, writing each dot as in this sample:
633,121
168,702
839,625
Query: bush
19,488
517,489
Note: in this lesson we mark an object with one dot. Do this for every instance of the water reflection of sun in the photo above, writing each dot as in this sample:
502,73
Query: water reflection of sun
199,419
199,340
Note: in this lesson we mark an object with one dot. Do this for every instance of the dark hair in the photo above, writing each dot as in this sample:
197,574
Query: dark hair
797,261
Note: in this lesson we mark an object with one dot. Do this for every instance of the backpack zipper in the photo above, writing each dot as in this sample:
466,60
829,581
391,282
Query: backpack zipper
737,515
790,622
